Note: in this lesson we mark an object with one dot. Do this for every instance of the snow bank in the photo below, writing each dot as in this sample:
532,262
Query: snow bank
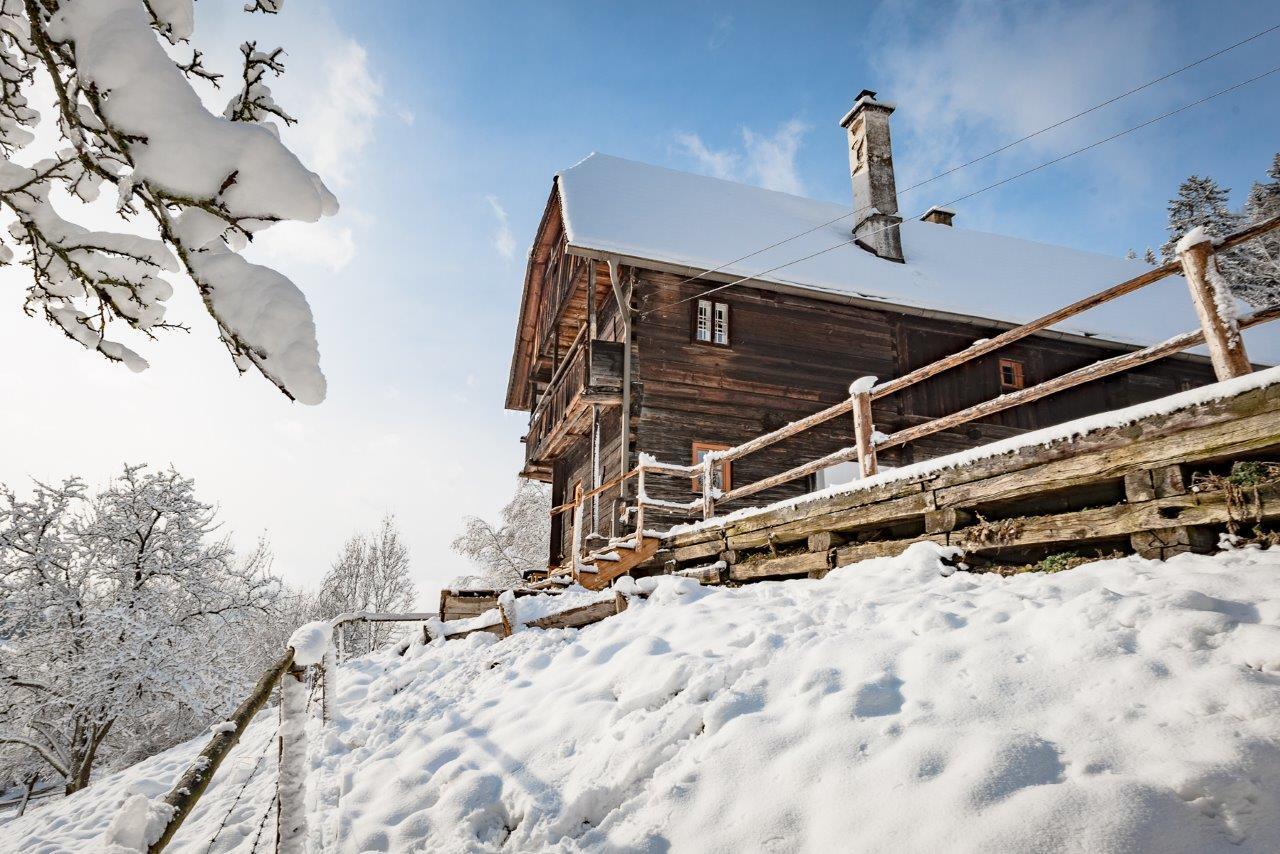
1125,705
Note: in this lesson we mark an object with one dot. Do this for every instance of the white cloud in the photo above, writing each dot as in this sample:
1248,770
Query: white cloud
721,28
766,160
719,164
339,122
968,82
772,159
325,243
503,240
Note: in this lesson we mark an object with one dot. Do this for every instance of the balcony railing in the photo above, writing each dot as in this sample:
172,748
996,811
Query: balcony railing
590,374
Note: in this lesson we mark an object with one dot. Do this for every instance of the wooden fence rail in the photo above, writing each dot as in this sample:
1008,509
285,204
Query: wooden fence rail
1219,331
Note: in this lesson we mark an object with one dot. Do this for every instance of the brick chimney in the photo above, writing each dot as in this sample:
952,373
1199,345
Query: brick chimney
941,216
875,199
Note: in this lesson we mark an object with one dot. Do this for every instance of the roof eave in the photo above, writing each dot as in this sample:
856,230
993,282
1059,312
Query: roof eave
849,299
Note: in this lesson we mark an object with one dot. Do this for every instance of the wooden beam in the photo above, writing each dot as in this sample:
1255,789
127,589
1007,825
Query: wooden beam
195,780
864,429
1088,373
1216,310
797,564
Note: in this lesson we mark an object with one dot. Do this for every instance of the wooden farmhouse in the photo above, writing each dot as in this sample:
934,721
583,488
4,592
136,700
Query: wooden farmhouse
670,314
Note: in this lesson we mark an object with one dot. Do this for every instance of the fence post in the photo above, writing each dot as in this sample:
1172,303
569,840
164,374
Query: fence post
291,814
708,501
1216,310
864,429
576,548
640,497
328,685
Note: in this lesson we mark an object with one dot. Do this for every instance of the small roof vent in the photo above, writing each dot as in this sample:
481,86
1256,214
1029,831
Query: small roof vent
938,215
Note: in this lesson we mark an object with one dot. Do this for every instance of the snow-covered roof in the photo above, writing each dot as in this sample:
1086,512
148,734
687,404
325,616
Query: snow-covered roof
642,211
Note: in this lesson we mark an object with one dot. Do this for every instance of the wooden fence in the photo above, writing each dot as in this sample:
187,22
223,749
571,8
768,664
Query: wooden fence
1219,330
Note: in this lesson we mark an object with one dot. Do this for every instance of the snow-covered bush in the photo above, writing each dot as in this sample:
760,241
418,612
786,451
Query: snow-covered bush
128,118
123,619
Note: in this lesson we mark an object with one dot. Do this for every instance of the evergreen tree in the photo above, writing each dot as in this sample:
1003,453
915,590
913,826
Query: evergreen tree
1258,279
1252,269
1200,202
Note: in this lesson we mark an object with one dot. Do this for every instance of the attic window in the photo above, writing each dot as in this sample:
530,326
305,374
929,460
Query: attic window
719,475
711,322
1011,377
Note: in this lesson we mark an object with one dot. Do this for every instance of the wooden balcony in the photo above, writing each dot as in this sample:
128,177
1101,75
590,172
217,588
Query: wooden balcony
592,374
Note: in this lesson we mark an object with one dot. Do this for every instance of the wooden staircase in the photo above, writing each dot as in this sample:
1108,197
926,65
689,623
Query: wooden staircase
599,568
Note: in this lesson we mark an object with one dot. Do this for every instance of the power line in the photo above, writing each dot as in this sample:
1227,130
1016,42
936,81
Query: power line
977,192
996,151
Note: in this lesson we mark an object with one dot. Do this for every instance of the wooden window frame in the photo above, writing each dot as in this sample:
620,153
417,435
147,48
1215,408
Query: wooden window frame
726,467
711,328
1019,375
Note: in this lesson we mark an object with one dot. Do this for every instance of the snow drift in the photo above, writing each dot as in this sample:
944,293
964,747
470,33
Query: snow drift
1125,705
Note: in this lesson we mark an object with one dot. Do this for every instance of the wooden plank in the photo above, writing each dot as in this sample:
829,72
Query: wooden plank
882,548
1208,442
860,518
577,617
1099,523
798,564
699,551
1217,322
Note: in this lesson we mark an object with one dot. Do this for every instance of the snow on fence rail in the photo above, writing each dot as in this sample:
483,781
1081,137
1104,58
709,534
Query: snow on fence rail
1219,330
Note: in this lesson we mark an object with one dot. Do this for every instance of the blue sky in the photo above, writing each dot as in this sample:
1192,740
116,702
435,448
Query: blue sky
439,126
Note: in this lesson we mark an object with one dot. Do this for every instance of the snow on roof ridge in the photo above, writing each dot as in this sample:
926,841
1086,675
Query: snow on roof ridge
605,156
629,208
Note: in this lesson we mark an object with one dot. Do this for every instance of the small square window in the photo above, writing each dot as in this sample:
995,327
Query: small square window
711,322
719,476
1011,375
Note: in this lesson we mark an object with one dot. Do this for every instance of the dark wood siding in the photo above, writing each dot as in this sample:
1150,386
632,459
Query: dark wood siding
791,356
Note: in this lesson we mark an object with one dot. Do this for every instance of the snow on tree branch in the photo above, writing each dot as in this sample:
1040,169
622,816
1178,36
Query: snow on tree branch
517,545
129,118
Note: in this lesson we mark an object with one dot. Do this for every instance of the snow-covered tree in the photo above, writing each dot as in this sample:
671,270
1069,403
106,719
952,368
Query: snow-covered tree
517,544
370,574
118,615
201,185
1200,202
1252,269
1260,270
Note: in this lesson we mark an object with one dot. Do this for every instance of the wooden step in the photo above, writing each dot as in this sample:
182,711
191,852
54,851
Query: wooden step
607,571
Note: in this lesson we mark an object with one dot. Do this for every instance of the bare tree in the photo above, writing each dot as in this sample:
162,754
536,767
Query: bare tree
517,544
370,574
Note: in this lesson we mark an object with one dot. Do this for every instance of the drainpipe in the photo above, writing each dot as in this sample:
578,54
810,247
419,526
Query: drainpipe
624,311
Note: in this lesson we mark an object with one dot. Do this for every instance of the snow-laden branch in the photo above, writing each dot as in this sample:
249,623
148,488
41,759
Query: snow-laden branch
129,118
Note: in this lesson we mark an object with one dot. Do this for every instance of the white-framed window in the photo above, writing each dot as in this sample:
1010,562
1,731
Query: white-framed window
711,322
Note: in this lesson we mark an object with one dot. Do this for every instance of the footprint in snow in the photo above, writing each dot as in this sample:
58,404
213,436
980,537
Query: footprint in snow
880,696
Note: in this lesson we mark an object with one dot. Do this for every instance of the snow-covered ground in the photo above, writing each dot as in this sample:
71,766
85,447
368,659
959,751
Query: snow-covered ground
1121,706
